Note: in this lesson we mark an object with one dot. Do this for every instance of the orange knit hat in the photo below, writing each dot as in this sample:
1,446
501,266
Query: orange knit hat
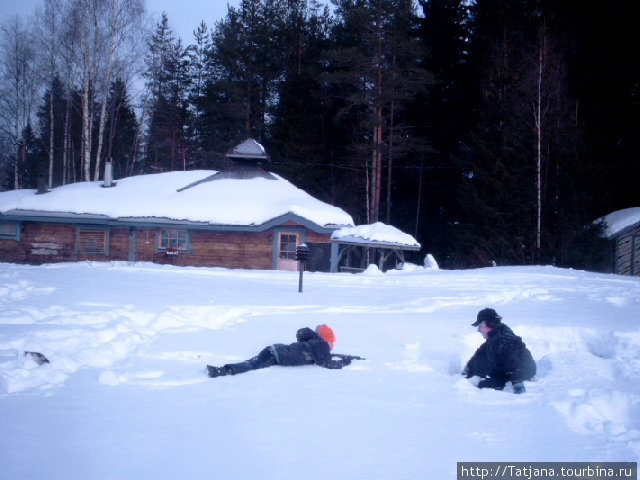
325,332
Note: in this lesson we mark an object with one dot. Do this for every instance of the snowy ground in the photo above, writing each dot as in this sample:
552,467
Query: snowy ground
125,395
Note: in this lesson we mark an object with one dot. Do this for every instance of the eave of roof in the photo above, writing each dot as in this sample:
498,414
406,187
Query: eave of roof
353,240
159,222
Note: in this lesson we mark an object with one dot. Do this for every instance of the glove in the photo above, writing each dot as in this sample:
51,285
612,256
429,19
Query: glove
346,361
518,388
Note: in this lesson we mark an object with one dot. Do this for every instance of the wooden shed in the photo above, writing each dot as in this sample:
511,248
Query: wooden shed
241,217
623,228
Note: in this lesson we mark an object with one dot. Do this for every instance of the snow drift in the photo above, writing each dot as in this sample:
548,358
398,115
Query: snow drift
125,395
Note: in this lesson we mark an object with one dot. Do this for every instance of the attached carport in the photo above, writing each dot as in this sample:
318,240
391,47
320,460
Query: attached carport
353,249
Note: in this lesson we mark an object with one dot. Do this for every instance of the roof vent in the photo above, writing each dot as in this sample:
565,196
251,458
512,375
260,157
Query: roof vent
108,175
249,151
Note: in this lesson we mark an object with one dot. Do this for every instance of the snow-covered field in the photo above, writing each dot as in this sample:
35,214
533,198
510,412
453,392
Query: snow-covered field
125,395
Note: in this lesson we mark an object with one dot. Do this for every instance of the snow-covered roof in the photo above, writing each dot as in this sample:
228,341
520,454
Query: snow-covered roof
248,149
224,201
377,233
621,219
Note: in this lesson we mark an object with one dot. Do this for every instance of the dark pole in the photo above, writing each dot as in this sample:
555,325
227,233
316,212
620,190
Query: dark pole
301,269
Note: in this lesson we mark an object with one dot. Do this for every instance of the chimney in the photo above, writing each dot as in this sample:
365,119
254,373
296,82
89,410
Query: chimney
42,184
108,175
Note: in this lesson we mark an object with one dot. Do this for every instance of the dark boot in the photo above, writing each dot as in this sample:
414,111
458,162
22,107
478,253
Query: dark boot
216,371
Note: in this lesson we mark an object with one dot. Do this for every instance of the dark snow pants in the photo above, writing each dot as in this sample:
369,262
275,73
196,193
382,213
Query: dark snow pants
264,359
496,383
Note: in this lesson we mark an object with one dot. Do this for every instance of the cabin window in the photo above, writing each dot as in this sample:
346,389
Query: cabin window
92,240
288,242
174,240
10,230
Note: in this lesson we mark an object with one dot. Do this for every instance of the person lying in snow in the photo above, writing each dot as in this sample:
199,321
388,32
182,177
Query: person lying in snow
312,347
502,358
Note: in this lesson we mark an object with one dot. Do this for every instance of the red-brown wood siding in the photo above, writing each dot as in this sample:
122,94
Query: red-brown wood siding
56,242
628,252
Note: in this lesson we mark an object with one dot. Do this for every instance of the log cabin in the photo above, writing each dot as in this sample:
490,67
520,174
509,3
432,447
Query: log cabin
241,217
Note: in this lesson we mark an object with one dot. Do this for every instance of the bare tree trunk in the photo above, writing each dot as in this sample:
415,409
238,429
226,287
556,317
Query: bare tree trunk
49,43
89,40
51,137
16,169
249,120
538,126
368,189
113,125
419,199
101,124
390,163
538,120
66,147
116,10
376,179
86,127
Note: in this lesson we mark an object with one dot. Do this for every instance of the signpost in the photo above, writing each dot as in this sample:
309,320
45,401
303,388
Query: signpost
302,255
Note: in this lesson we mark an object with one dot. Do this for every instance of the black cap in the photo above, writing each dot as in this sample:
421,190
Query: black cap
489,316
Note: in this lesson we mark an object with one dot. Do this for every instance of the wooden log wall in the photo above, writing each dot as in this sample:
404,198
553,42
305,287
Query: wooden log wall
628,251
53,242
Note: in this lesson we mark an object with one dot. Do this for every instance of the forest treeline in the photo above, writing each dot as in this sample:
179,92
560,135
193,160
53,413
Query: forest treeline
491,130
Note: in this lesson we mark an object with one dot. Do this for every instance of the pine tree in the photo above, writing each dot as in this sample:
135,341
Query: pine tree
374,67
167,89
513,188
299,135
198,72
121,132
245,67
440,117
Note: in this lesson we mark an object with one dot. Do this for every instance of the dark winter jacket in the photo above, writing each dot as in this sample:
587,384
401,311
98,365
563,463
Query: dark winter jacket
504,357
310,348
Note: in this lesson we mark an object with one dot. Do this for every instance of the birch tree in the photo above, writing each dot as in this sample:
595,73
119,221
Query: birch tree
69,66
18,88
49,22
105,27
548,115
197,53
121,19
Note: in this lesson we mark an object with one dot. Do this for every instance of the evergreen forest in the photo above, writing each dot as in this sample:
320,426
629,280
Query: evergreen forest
493,131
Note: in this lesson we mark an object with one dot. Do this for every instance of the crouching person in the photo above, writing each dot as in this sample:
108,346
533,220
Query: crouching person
311,347
502,358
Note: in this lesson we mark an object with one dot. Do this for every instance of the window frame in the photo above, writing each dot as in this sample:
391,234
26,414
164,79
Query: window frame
9,234
288,254
180,236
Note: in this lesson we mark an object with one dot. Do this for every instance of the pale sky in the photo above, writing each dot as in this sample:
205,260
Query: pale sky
184,15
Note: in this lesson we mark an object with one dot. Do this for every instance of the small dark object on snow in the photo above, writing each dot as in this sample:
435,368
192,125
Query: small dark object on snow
37,357
217,371
350,357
